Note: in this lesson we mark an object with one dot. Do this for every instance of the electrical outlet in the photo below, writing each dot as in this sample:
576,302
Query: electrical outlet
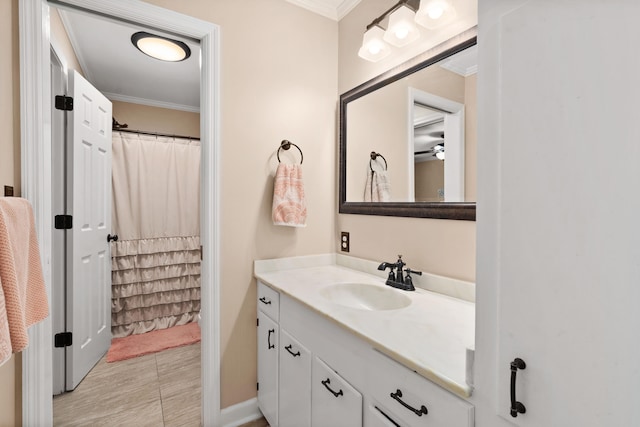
344,241
8,190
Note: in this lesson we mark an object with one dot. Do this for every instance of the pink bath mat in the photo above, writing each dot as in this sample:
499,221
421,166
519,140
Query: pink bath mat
153,342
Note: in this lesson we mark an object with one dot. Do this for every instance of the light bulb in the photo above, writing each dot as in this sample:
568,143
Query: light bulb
402,33
402,29
435,12
373,47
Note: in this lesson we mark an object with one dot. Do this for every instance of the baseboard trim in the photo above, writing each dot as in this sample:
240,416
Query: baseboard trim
240,413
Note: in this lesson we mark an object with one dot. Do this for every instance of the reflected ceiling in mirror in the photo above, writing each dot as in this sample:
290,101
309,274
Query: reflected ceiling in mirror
421,118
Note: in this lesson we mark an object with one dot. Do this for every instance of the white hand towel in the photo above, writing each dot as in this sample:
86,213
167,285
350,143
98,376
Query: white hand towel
377,187
289,206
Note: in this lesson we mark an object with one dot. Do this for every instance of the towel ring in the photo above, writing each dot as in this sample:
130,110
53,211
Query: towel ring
285,145
374,156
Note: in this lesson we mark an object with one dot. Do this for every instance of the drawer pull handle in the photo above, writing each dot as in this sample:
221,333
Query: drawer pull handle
326,384
516,407
419,412
288,348
269,345
264,300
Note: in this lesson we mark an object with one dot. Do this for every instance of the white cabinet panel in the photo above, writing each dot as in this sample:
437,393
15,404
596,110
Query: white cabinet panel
557,236
268,332
334,401
268,301
295,383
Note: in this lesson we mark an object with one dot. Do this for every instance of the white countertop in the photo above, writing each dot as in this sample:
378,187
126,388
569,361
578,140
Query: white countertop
430,336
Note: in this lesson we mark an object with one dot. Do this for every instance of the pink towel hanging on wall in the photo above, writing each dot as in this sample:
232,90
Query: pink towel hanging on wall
289,206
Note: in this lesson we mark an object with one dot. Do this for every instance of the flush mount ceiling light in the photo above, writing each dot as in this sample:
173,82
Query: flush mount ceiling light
373,46
402,29
435,13
162,48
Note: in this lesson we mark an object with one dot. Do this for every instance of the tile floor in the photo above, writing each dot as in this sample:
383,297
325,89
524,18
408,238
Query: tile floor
161,389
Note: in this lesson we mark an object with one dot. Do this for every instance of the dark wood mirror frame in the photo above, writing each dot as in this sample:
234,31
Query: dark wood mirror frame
441,210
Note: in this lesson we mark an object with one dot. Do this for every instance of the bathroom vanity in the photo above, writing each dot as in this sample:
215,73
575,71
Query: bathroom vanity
337,347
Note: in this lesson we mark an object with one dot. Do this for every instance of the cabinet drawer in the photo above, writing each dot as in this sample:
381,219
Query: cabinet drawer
409,395
334,402
268,301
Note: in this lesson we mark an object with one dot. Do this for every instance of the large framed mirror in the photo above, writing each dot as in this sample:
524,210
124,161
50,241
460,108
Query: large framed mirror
405,137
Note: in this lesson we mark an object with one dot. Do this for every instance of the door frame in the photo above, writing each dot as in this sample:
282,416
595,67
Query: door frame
35,130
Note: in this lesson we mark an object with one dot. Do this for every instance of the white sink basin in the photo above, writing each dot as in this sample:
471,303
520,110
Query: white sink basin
365,297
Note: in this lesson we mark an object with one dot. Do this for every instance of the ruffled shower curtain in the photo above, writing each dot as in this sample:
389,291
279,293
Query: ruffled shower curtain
156,215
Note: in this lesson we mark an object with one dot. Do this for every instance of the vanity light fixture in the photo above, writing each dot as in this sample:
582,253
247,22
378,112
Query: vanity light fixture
159,47
401,29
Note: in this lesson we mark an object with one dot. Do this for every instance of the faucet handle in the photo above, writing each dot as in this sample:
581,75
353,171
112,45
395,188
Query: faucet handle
410,271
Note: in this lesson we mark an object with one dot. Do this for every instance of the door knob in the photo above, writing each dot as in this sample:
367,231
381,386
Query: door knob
110,237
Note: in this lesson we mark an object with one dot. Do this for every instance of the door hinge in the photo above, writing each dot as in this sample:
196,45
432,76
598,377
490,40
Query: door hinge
258,386
200,252
63,339
64,103
63,222
258,322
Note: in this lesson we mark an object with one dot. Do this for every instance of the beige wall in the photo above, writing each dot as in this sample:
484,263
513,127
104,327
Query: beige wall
279,81
156,119
10,411
438,246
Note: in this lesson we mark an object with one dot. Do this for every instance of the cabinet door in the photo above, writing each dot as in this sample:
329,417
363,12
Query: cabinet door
268,332
295,383
334,402
558,249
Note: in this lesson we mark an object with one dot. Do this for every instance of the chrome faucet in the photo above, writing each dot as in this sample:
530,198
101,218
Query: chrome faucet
396,279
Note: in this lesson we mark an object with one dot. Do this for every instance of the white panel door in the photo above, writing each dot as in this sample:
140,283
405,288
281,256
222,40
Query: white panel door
89,202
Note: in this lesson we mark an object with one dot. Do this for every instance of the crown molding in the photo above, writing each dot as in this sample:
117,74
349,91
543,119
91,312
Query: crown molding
150,102
332,9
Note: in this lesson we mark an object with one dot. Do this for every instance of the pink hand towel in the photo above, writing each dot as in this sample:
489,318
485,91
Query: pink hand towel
25,296
289,207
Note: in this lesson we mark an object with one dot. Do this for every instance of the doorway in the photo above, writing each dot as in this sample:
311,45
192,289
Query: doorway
36,170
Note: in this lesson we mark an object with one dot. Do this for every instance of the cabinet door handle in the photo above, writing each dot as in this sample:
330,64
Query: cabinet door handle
516,407
269,345
419,412
326,384
264,300
288,348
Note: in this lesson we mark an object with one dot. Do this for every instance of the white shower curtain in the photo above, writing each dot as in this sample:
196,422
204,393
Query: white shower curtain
156,215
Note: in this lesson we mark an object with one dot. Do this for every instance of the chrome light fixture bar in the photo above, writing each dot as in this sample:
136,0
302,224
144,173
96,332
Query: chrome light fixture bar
401,28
